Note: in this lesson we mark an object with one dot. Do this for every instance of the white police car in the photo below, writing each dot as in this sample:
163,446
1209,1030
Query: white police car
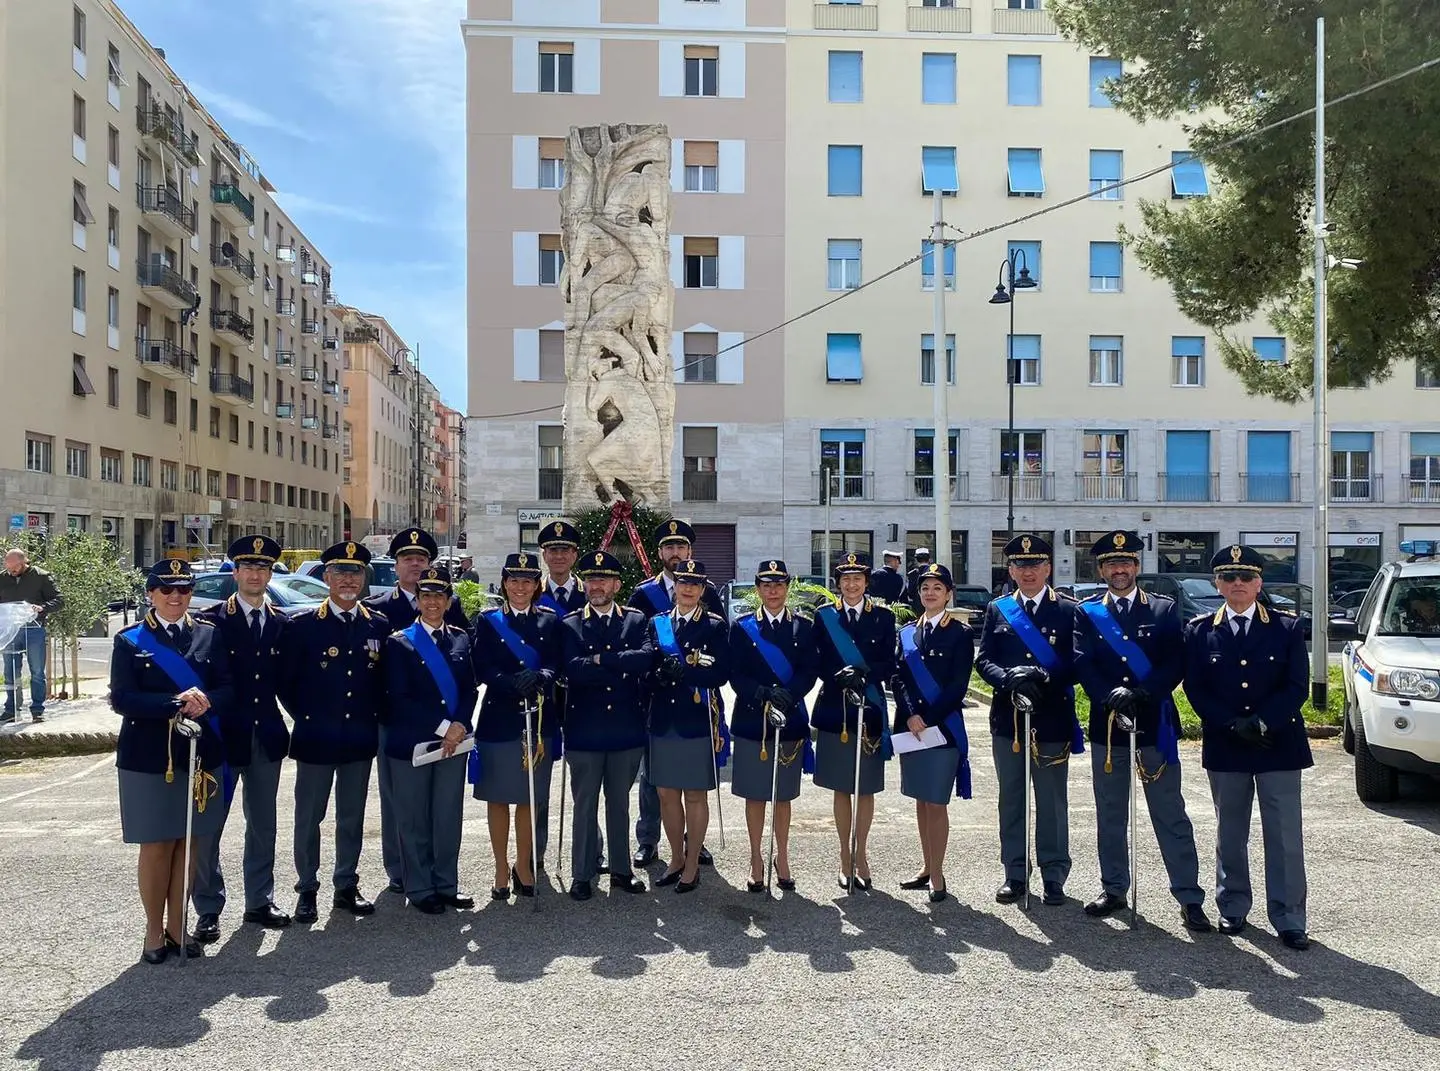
1391,667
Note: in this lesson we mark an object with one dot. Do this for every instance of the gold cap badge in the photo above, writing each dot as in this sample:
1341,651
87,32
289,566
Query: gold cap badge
175,566
349,550
599,559
1025,544
850,559
774,567
1235,553
258,545
674,527
414,537
524,560
1119,540
557,528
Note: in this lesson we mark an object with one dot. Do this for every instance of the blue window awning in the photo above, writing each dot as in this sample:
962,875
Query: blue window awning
1352,442
1024,171
842,435
1269,349
1424,443
842,358
937,169
1187,346
1187,175
847,77
937,78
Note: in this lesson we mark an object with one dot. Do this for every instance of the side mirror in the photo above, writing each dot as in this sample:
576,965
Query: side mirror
1343,629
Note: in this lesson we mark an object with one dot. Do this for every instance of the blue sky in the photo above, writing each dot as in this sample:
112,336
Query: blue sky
355,111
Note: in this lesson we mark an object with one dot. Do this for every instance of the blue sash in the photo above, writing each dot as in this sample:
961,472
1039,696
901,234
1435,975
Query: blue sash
849,653
551,601
657,594
1166,742
930,690
774,657
1044,652
513,641
665,632
435,662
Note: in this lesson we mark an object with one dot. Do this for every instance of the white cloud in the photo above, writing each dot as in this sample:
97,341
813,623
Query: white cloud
298,204
243,112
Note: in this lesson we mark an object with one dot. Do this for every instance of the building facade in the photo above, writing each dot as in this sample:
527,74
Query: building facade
377,439
201,397
1124,414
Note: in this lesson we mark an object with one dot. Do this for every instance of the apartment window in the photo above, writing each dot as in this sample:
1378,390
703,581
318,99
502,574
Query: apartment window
39,451
1350,470
1026,257
212,483
214,422
557,67
552,356
845,169
702,70
112,387
1427,378
1187,361
80,384
1103,471
701,447
552,163
80,211
1025,176
923,460
112,307
250,434
77,460
938,170
1022,87
1424,466
140,470
111,470
1025,351
861,542
1267,462
169,476
937,78
702,166
927,359
702,263
1187,176
192,479
1106,356
927,265
1106,267
142,397
77,290
842,460
552,260
1103,69
701,364
112,227
79,38
843,263
551,443
1107,168
847,78
112,65
843,363
194,414
1269,349
1022,452
112,147
78,117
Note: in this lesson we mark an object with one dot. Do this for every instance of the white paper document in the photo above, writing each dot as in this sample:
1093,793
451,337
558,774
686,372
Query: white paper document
428,751
906,741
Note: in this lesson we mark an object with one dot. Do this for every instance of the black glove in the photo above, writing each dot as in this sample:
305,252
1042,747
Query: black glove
1028,688
1143,699
670,670
526,683
851,677
780,699
777,717
1252,731
1015,676
1121,700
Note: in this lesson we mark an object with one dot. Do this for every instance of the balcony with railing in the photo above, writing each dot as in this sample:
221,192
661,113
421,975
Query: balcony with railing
1357,489
285,306
231,205
1269,487
309,373
165,210
1424,490
310,423
233,267
552,484
330,431
284,410
331,387
330,342
699,486
1029,486
229,387
953,18
1028,17
284,358
1102,487
330,299
362,333
310,327
847,17
165,357
850,486
230,326
921,485
1187,487
161,129
165,286
310,277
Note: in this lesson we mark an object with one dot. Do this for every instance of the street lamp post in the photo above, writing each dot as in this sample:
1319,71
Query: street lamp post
1014,275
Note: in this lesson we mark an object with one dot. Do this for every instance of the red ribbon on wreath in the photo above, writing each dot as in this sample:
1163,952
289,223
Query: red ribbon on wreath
620,513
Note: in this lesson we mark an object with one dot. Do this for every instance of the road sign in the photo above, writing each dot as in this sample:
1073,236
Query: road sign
197,520
17,521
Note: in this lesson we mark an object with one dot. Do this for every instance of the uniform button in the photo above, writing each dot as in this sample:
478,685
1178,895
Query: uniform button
1126,679
1243,662
607,647
255,700
349,673
1029,655
257,676
608,706
347,717
307,717
349,694
1123,637
1244,684
1124,659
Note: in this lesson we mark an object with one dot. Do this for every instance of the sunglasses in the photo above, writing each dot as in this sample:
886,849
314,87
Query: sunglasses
1234,578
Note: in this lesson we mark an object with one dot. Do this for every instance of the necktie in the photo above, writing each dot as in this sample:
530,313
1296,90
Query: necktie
925,631
1239,627
442,641
256,628
174,631
1030,608
854,616
1122,609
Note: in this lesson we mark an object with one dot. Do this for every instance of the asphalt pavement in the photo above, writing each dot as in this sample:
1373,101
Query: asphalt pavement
722,977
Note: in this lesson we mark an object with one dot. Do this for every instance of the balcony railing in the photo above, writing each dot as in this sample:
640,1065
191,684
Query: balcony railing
331,387
847,17
285,306
1270,487
233,205
1113,487
699,486
844,485
164,204
1029,486
309,327
330,299
330,342
239,268
309,277
1034,20
1357,489
1187,487
921,485
284,410
938,19
362,333
330,431
309,423
552,484
164,356
156,125
158,275
230,323
309,374
1425,491
284,358
228,384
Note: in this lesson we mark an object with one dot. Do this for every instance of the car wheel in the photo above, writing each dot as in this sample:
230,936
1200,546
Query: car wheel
1347,733
1374,781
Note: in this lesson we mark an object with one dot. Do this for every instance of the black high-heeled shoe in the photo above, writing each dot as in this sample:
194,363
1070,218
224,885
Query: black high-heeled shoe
670,877
936,895
498,893
919,881
191,949
155,955
687,886
521,889
786,884
754,886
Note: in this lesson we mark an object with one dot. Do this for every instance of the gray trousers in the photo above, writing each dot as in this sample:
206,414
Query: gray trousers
590,771
260,782
351,781
1173,831
389,835
647,826
1279,795
429,808
1050,788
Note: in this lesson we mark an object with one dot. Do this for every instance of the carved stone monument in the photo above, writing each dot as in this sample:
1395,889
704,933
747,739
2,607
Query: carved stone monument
620,383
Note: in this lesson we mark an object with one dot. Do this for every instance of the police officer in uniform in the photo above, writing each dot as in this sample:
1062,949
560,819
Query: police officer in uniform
1025,650
912,578
255,738
332,684
413,550
888,582
605,658
1247,676
1129,657
675,541
561,590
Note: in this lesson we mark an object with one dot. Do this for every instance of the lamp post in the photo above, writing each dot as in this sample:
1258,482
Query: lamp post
400,369
1014,275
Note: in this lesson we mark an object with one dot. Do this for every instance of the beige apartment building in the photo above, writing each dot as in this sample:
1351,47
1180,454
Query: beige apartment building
377,439
190,390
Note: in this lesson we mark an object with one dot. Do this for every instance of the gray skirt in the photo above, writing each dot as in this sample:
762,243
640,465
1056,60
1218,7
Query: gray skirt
929,775
750,778
152,810
835,766
682,763
502,778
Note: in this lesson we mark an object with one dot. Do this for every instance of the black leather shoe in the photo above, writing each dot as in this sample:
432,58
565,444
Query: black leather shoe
688,886
754,886
580,890
706,859
919,881
207,928
152,955
353,901
1231,926
459,901
786,884
1011,891
1105,904
396,886
670,877
518,886
430,905
1054,894
644,855
626,883
1193,917
602,867
5,719
191,948
305,912
1299,940
936,895
269,916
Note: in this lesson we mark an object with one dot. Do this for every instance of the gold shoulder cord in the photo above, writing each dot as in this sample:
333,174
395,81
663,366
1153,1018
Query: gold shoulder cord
1146,777
528,761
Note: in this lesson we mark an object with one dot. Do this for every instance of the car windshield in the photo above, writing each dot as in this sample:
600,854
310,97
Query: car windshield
382,574
1412,607
303,587
1200,587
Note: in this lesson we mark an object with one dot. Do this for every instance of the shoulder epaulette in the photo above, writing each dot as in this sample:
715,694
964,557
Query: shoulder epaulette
713,616
1060,596
543,610
1198,618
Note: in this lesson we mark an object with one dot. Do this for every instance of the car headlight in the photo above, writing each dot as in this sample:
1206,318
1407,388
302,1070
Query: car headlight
1408,683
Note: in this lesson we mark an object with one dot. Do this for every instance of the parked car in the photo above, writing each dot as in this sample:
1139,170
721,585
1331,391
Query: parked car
379,575
290,593
735,593
970,600
1344,606
1196,593
1082,591
1390,665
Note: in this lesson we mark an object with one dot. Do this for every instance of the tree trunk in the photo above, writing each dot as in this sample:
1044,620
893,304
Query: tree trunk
75,667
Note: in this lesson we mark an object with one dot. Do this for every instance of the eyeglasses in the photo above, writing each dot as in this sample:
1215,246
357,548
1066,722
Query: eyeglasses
1234,578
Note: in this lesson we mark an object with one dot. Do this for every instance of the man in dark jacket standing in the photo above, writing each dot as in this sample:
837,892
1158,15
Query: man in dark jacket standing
24,583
